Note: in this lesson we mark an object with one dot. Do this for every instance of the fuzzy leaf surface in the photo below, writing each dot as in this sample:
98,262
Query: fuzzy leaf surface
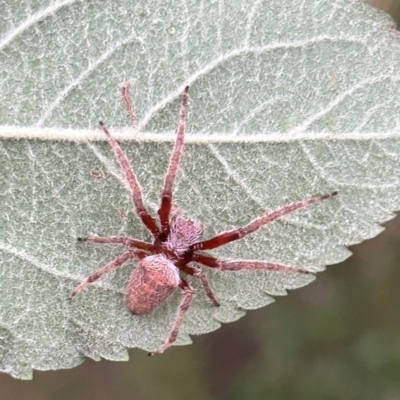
286,102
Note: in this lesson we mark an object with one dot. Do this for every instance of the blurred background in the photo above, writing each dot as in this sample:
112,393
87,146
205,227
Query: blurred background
338,338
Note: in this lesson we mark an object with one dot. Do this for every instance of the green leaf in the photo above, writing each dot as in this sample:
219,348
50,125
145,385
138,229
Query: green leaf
286,102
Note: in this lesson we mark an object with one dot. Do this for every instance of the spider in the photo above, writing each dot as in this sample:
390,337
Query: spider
176,240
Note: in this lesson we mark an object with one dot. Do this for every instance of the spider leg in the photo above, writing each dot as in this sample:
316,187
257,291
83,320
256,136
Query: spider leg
270,216
198,273
244,265
136,190
183,308
126,241
128,104
173,166
119,261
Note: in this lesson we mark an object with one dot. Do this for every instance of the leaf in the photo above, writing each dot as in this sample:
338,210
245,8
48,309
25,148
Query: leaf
286,103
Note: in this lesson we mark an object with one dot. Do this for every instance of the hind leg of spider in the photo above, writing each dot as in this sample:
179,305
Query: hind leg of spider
183,308
198,273
173,166
126,241
270,216
118,262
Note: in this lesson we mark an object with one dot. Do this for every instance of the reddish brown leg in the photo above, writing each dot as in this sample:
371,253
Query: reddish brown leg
198,273
235,234
174,161
183,308
244,265
136,190
129,242
118,262
128,104
206,260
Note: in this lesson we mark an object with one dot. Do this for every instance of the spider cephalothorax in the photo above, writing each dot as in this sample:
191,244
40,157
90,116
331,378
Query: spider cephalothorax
176,240
183,234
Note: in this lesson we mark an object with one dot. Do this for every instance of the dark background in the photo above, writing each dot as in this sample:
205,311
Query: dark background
338,338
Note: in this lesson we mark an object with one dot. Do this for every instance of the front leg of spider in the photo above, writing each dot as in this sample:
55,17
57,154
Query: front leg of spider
176,240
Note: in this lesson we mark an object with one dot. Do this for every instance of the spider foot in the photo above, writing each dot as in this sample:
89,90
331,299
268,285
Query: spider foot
160,350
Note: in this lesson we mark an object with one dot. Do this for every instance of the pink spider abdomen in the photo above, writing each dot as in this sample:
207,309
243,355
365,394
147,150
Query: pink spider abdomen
154,280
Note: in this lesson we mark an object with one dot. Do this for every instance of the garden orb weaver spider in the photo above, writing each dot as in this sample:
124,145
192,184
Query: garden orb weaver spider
176,240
